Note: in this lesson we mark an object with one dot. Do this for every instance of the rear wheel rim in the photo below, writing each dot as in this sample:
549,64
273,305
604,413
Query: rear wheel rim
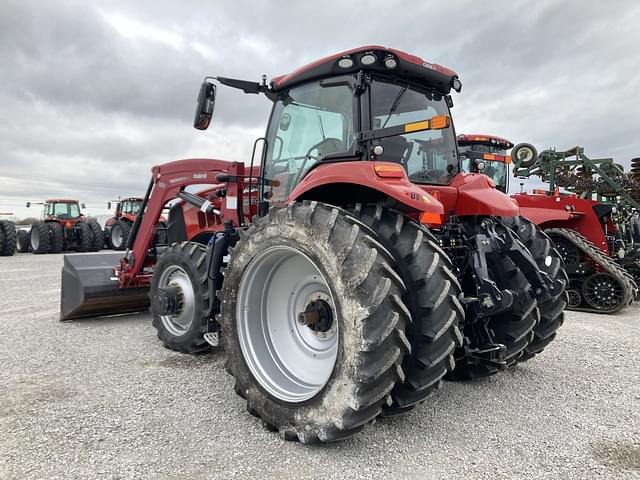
567,250
179,323
290,359
116,236
35,239
602,291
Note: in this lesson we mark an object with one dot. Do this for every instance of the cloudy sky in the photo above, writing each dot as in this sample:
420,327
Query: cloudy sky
92,94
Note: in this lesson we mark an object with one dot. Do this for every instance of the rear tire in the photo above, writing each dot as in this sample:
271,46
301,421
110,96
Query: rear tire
512,328
184,265
40,238
161,235
85,237
98,235
367,327
24,244
432,296
57,237
550,262
119,234
8,245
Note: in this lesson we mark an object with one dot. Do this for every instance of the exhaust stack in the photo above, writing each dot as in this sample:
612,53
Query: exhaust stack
89,290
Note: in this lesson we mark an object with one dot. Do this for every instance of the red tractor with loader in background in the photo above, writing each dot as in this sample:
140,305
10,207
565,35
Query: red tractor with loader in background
598,238
8,236
118,227
63,227
354,269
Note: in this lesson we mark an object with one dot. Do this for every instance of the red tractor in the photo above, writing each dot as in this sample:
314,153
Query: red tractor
349,273
8,236
118,227
63,228
585,231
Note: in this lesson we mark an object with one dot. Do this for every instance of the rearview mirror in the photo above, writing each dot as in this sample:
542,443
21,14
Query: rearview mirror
204,109
83,206
108,205
28,204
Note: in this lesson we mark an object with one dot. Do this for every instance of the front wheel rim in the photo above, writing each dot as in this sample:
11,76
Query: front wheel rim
116,236
290,357
179,323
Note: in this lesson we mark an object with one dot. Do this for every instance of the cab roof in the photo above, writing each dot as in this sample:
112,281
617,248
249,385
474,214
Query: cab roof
408,67
490,140
61,200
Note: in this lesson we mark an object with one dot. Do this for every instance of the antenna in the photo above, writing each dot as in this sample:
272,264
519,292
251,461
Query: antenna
521,187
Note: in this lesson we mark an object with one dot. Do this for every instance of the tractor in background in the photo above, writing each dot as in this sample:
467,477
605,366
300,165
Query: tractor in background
351,271
594,223
63,227
494,162
8,236
118,227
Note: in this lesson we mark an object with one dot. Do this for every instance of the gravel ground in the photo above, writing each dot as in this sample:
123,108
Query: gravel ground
103,399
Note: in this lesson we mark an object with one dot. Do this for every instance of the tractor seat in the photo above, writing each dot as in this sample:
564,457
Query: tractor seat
330,145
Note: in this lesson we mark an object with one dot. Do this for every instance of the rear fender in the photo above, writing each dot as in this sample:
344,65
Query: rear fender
346,181
475,194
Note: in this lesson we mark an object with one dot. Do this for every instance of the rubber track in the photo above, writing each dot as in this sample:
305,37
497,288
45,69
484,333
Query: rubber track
587,247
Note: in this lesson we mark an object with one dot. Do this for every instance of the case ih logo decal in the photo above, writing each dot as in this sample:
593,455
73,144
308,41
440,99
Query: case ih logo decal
199,176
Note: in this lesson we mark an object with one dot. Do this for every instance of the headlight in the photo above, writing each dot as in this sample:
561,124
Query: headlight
368,59
345,62
390,62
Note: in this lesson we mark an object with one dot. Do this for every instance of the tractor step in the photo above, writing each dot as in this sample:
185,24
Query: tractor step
90,288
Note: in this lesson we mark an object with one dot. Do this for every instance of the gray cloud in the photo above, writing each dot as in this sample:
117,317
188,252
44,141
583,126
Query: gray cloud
93,96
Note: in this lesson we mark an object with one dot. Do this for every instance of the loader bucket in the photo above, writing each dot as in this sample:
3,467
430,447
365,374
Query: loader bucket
90,290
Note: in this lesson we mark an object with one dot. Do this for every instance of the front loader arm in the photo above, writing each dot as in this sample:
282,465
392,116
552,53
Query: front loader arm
168,182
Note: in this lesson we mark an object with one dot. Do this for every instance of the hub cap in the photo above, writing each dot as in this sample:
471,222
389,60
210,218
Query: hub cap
602,291
175,276
287,328
116,236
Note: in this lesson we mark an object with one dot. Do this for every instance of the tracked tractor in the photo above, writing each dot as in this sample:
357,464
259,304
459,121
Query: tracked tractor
350,267
63,227
592,225
118,227
8,236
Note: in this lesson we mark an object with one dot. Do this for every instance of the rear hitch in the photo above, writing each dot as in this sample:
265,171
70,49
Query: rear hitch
492,354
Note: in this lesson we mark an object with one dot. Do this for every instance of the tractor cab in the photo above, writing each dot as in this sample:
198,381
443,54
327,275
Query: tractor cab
127,208
62,210
486,154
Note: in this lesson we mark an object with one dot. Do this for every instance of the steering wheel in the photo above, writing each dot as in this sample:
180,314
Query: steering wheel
330,144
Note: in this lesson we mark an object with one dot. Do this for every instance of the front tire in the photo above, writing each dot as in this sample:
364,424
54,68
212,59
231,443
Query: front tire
119,234
312,261
183,266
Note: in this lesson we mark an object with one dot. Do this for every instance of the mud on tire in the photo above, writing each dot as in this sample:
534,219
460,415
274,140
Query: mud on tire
184,264
370,320
432,297
549,262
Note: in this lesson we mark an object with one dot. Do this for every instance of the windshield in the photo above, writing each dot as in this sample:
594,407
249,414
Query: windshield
64,210
131,206
428,156
307,124
498,171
